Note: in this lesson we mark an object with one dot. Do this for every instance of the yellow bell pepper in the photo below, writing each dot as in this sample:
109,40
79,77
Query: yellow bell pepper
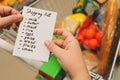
78,17
72,22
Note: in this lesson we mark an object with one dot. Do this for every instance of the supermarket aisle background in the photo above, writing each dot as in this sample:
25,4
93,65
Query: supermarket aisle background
62,7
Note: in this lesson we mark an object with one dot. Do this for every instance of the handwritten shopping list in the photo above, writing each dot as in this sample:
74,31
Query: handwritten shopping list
36,27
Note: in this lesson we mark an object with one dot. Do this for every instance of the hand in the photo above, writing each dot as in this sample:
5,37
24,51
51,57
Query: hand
69,55
9,17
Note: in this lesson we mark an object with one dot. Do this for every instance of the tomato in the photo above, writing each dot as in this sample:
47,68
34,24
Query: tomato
98,36
93,43
93,26
90,33
80,37
83,32
86,42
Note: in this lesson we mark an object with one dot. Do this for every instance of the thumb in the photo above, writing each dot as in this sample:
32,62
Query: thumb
10,20
54,48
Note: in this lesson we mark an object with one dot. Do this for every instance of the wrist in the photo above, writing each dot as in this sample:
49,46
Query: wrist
80,74
81,77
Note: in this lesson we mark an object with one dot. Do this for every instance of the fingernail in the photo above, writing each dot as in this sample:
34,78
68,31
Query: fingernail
20,17
47,42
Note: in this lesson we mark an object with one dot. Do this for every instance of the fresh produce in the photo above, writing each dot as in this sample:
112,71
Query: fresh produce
89,35
88,7
101,1
71,22
78,10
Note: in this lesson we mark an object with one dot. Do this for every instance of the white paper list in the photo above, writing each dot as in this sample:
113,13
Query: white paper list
36,27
